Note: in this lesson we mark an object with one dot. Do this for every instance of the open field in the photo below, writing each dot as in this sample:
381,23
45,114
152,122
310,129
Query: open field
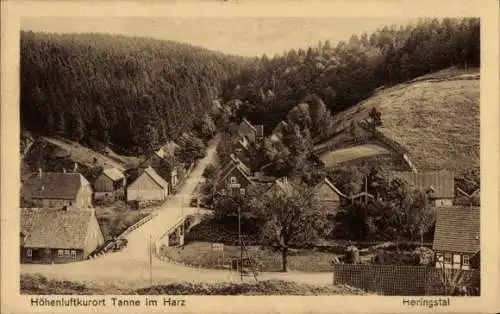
84,155
332,158
435,117
200,254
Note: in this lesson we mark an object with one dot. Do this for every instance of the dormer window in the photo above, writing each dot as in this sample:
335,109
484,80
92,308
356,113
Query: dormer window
233,180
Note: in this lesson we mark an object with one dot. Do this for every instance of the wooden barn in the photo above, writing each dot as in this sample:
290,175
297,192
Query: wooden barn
58,235
149,186
56,189
109,185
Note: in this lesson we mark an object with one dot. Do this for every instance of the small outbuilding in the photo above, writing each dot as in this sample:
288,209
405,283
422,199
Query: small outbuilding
148,187
109,185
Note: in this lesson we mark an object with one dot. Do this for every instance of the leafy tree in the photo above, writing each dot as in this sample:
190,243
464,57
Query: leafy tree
289,218
375,116
191,148
205,127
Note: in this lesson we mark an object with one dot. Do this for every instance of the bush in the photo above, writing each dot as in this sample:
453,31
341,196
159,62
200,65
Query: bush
352,255
37,284
224,230
385,257
268,287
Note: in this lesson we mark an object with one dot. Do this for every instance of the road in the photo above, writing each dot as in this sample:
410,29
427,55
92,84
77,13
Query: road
131,267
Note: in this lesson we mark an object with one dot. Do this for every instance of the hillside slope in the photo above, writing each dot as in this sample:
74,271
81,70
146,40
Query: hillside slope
435,117
128,92
56,154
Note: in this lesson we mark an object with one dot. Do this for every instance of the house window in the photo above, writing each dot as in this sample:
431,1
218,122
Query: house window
66,253
242,191
465,260
233,180
73,253
60,253
29,252
447,258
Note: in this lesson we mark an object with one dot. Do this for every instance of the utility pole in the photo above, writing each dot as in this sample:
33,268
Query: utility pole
150,261
366,190
241,243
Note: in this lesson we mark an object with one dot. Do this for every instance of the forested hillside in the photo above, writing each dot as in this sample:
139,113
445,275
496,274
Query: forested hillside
344,74
129,93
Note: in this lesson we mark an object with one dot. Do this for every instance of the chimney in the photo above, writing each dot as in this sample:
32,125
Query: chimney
40,173
75,167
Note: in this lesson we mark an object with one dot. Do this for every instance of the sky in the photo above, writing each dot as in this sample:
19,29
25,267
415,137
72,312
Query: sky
240,36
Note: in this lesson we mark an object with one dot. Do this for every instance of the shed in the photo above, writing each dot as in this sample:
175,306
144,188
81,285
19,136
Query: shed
149,186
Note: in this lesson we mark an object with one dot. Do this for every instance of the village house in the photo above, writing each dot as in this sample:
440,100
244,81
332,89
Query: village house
234,179
148,187
58,235
156,159
457,237
56,189
439,185
110,185
328,194
252,132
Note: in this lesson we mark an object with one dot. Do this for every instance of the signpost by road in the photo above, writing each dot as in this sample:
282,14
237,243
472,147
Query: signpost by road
219,247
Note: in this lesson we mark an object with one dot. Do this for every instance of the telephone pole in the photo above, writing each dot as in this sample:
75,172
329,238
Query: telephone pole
150,261
241,244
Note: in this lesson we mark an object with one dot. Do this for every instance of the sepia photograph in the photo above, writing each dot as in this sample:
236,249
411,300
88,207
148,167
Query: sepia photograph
161,161
176,156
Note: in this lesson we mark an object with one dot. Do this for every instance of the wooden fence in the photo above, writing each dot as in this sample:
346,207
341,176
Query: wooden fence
110,244
398,279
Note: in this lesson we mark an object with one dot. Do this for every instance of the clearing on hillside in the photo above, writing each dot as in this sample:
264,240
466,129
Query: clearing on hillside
434,117
84,155
339,156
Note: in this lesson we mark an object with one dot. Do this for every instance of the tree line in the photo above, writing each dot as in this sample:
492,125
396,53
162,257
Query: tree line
350,71
131,93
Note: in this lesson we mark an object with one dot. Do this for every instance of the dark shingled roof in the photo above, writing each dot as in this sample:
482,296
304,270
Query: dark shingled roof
51,228
457,229
53,185
442,182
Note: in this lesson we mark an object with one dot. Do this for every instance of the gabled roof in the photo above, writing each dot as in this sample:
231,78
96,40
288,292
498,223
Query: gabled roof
457,229
53,185
58,229
245,121
441,182
156,177
234,164
327,182
113,173
281,185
